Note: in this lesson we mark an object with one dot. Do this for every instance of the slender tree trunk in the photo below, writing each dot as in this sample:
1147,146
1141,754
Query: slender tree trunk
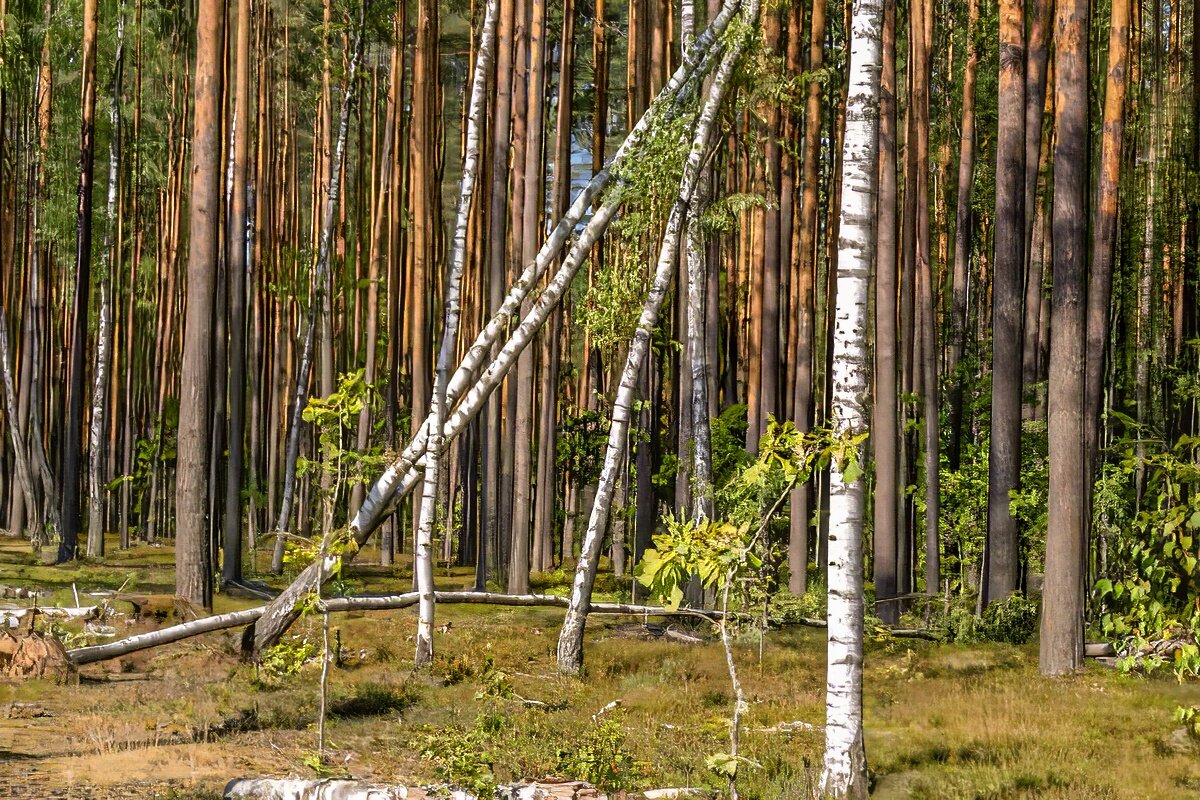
1004,456
1104,230
534,191
802,379
1066,547
193,573
238,258
962,239
104,336
885,410
72,443
845,765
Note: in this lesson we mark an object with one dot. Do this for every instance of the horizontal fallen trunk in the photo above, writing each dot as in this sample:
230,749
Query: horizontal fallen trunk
220,622
337,789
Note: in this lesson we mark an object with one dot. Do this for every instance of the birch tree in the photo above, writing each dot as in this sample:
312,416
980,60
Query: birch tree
100,376
435,441
570,640
401,475
845,768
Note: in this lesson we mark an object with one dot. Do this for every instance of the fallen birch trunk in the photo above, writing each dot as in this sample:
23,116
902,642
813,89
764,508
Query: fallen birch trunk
234,619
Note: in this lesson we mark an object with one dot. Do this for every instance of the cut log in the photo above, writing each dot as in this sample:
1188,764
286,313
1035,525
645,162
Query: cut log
1099,650
294,789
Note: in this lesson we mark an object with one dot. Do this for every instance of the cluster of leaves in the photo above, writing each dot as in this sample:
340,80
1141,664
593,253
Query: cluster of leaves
736,546
463,758
332,417
284,660
1152,590
579,446
1012,620
599,756
647,184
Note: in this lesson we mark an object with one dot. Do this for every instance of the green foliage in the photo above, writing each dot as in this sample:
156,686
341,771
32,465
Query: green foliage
1152,587
580,444
1189,717
462,758
600,757
647,183
1012,620
284,660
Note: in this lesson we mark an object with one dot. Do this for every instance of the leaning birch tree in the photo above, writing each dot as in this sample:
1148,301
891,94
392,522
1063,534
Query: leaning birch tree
472,383
570,639
845,769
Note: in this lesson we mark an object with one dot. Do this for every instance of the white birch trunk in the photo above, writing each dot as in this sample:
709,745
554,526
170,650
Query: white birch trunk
449,346
570,640
845,770
96,449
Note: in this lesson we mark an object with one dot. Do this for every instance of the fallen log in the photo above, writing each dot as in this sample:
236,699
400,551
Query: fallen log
220,622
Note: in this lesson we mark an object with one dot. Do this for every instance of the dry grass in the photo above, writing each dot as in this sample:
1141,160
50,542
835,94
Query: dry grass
943,721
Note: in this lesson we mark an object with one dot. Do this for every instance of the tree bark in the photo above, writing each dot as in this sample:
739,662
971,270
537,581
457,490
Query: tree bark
238,259
449,346
193,572
72,445
885,409
97,487
1061,648
1004,455
845,764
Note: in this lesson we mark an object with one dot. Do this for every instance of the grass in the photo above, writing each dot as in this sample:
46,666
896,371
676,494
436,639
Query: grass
943,721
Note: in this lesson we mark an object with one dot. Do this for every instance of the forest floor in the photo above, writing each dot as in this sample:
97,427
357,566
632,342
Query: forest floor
942,721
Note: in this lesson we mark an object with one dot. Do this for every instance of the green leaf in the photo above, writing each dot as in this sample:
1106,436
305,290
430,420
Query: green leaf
722,764
851,471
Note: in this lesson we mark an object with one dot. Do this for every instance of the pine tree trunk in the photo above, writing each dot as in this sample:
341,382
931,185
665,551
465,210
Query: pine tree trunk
239,264
72,447
1004,456
885,428
1061,648
193,574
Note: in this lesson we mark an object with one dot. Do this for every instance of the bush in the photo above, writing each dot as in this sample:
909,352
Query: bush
1012,620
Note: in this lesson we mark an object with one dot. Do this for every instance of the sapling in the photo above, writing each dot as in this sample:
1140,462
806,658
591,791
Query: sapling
727,555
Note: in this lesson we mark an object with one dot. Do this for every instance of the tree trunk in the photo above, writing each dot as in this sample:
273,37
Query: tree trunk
72,443
885,410
1061,649
962,239
1104,230
1004,456
802,378
449,346
845,765
239,263
193,574
97,488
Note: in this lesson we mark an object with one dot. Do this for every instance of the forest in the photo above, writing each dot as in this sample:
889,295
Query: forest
763,399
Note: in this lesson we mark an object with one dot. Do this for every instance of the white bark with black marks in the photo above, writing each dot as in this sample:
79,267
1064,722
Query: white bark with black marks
845,767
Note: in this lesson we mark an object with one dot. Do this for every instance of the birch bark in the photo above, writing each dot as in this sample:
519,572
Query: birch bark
845,768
